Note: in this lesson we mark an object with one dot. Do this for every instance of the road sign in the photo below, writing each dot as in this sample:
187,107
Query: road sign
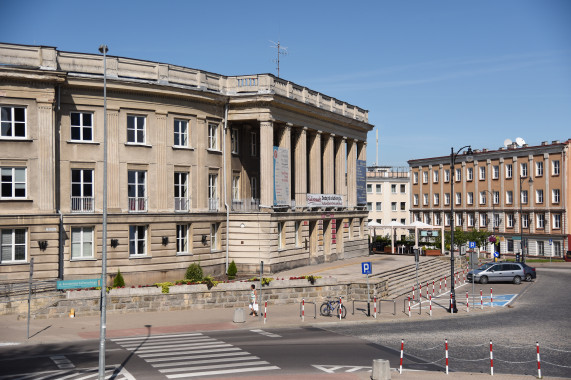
367,267
76,284
471,244
496,254
550,241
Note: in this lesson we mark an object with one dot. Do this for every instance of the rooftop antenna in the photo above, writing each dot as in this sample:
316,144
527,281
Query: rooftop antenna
282,50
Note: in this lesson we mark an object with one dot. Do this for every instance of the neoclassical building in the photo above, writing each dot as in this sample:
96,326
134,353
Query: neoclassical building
201,168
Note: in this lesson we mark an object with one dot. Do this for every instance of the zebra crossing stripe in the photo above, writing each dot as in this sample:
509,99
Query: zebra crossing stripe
144,337
265,333
190,346
173,341
215,366
161,356
206,361
222,372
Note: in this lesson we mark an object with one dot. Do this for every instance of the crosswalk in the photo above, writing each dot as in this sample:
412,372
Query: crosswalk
188,355
116,373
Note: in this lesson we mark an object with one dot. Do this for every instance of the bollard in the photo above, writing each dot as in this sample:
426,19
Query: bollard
538,362
413,292
409,307
432,288
340,308
431,306
481,300
381,370
467,303
451,306
426,290
444,283
72,313
491,298
420,293
446,348
375,306
491,360
265,311
239,316
440,290
302,309
401,352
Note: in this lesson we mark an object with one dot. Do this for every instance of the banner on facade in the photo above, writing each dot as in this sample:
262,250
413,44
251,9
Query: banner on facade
281,177
324,200
361,182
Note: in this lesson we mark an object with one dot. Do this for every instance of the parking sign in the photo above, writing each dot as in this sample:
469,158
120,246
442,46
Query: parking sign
367,267
471,244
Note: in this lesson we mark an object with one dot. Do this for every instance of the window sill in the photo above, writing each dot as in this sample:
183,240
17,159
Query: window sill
83,259
140,257
12,139
83,142
214,151
177,147
15,200
184,254
139,145
14,263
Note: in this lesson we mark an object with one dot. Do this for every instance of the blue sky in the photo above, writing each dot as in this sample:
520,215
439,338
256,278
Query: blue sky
433,74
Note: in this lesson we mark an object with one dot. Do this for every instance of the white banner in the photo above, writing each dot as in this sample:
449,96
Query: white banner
324,200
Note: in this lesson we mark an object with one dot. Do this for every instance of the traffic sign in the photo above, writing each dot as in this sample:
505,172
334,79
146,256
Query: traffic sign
550,241
496,254
471,244
367,267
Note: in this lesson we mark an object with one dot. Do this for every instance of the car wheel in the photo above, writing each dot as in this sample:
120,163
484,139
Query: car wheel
484,280
517,280
528,277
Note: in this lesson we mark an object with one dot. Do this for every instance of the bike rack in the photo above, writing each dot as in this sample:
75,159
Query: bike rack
411,305
394,305
314,308
365,301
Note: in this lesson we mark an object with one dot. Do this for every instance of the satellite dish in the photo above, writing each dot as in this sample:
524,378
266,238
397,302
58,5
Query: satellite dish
507,142
520,142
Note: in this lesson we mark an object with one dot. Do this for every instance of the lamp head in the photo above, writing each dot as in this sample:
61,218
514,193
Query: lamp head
103,49
469,157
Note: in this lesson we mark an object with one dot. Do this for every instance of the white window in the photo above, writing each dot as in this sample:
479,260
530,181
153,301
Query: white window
557,248
13,246
446,175
136,190
393,189
137,240
12,122
281,235
424,177
446,199
136,129
447,219
254,187
482,173
214,236
458,175
509,197
236,187
555,196
523,169
469,174
415,199
509,170
213,191
538,196
12,183
379,206
369,188
495,172
458,198
510,220
82,190
81,126
496,198
555,169
181,199
393,206
180,133
82,243
525,220
437,219
483,220
540,220
182,238
459,219
540,248
539,168
435,176
379,188
253,144
369,206
297,233
524,197
425,199
213,136
470,198
470,220
436,199
235,140
482,197
497,220
415,177
556,221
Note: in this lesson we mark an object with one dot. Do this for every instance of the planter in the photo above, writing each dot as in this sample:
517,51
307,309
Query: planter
432,252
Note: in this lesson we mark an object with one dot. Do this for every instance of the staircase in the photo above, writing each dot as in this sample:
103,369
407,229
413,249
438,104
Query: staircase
401,280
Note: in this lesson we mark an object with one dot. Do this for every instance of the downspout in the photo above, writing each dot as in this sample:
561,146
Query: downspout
225,181
57,178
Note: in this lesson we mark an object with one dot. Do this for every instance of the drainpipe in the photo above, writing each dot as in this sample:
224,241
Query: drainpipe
225,180
57,179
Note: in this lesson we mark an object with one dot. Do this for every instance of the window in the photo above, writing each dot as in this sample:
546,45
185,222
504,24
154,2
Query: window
403,189
180,133
555,169
483,220
524,197
482,173
540,248
415,177
446,175
415,199
12,183
13,243
253,144
496,199
181,201
213,191
497,220
214,236
436,199
557,248
525,220
538,196
281,235
446,199
425,199
523,170
369,188
403,206
380,221
435,176
509,197
458,198
470,174
540,220
81,126
369,206
393,206
137,240
495,172
136,126
254,187
509,170
82,190
458,175
482,197
182,238
379,188
379,206
510,220
556,221
297,233
510,245
470,220
459,219
424,177
213,136
13,122
393,189
437,219
555,196
82,243
447,219
136,190
538,169
234,139
236,187
470,198
403,221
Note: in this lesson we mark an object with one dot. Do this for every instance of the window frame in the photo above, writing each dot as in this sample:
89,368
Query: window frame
555,167
496,197
13,244
523,170
510,220
378,188
539,196
135,189
435,176
86,201
378,206
495,171
556,221
14,183
235,140
135,129
470,198
539,168
540,221
415,199
509,171
446,199
555,196
182,239
81,126
469,174
182,136
482,173
436,199
213,136
483,199
524,198
82,233
415,178
509,197
12,122
446,175
182,201
253,144
135,240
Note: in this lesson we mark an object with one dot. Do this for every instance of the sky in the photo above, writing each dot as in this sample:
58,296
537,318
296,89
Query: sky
433,74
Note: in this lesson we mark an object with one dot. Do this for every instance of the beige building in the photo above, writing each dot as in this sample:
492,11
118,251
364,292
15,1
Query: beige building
190,169
513,192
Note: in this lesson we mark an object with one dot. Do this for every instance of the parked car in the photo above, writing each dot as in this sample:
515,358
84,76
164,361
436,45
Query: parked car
497,272
529,272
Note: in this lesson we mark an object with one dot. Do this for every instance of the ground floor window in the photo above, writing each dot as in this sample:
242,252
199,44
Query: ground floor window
557,248
214,236
540,248
281,235
137,240
510,245
182,234
13,244
82,243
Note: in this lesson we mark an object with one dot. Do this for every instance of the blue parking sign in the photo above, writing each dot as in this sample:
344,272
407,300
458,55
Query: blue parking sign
367,267
471,244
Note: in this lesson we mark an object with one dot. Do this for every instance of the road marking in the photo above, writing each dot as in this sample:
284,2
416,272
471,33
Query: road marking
265,333
340,368
223,372
8,344
62,362
76,374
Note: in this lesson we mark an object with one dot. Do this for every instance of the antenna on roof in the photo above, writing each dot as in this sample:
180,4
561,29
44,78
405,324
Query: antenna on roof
282,50
520,142
507,142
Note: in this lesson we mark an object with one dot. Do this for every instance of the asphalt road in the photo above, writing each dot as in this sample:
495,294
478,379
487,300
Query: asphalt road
540,313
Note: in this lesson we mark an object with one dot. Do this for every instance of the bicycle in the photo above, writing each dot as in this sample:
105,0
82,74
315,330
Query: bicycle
328,307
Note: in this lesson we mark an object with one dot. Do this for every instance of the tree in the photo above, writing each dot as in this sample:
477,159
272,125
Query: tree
232,270
194,273
118,281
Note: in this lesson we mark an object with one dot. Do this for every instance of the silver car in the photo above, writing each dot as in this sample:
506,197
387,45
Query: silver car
497,272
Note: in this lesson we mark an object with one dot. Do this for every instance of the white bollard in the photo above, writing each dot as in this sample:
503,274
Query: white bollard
381,370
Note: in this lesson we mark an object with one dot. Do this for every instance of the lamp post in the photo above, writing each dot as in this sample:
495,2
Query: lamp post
469,158
521,181
493,214
103,323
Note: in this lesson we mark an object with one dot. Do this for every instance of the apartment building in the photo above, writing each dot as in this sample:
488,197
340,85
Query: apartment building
201,167
518,191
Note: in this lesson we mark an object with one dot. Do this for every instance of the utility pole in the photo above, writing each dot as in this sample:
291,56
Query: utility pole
281,50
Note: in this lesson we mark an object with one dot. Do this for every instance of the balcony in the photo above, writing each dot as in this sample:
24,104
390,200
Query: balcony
137,204
82,204
246,205
181,204
213,204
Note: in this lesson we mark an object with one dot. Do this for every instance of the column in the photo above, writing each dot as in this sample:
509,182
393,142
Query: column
160,200
285,143
340,187
266,163
301,168
351,173
114,175
328,165
315,163
45,176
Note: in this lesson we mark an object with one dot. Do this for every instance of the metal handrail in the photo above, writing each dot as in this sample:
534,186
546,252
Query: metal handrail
314,308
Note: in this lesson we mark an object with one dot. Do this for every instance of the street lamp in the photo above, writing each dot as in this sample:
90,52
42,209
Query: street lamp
493,214
469,158
521,181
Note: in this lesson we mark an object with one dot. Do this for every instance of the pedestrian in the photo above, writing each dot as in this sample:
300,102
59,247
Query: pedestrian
253,304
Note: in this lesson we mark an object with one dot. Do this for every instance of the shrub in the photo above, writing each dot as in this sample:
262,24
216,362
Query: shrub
194,273
209,281
118,281
165,286
232,270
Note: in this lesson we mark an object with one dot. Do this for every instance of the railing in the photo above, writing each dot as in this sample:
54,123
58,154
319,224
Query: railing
213,204
181,204
246,205
137,204
82,204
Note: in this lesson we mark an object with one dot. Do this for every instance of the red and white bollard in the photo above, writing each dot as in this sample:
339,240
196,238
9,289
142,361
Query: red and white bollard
481,300
302,309
491,298
440,290
427,290
432,288
413,292
340,308
431,306
401,352
538,362
467,303
445,283
491,360
375,306
446,348
420,293
265,311
409,307
451,306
